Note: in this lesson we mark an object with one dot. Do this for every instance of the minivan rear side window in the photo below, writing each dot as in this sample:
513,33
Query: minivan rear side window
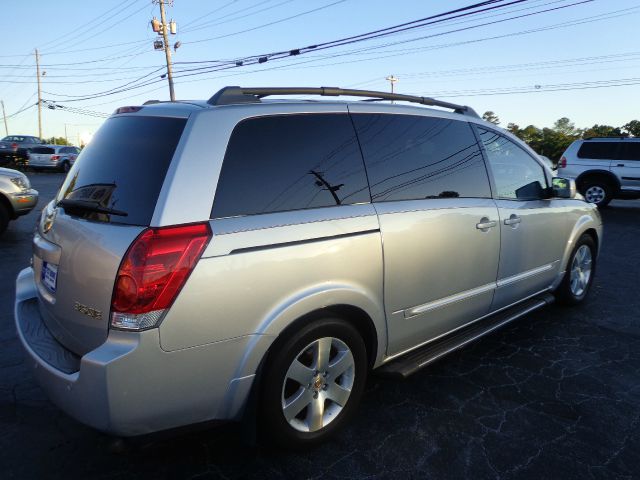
414,157
123,168
290,162
599,150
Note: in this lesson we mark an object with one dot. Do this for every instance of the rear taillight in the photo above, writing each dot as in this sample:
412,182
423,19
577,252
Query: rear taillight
55,158
14,146
563,162
152,273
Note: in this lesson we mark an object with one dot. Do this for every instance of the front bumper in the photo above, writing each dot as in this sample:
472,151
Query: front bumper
130,386
23,202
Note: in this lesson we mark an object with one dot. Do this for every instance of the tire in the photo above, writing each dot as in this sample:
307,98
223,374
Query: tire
64,168
581,269
597,191
4,218
300,414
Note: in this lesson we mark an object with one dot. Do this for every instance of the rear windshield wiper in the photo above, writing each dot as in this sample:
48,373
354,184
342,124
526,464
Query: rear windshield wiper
89,207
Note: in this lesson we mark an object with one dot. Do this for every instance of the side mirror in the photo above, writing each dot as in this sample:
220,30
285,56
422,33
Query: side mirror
563,187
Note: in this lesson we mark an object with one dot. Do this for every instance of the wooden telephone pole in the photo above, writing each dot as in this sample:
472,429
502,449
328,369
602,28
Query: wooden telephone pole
39,95
167,49
4,115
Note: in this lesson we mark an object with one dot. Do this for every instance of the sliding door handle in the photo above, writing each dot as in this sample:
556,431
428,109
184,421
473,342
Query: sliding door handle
513,220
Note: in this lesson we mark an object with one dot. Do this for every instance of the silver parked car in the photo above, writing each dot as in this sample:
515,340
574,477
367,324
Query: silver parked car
603,168
53,157
243,258
17,198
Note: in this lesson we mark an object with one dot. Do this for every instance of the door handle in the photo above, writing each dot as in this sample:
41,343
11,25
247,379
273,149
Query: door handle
513,220
485,224
620,165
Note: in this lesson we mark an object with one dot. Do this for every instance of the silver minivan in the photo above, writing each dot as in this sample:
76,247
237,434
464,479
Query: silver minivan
252,258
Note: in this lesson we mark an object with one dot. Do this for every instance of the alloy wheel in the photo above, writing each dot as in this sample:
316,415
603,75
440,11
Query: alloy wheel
580,271
318,384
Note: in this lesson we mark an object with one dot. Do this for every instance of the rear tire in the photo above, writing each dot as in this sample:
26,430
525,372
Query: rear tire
313,382
581,269
4,218
64,168
597,191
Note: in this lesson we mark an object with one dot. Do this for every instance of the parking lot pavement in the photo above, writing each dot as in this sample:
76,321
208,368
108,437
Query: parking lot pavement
554,395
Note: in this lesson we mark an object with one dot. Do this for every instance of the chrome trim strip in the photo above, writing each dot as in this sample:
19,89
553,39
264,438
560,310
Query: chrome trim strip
410,349
442,302
524,275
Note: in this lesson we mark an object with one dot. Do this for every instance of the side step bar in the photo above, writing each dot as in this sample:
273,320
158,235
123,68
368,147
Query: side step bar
413,361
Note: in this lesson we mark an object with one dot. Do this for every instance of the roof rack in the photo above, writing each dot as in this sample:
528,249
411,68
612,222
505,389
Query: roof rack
235,95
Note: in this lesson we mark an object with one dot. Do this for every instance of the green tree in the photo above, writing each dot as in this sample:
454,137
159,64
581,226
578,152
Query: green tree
489,116
513,128
56,141
566,127
632,128
603,131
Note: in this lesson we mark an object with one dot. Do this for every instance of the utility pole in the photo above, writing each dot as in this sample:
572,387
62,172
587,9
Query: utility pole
4,115
167,49
391,79
39,95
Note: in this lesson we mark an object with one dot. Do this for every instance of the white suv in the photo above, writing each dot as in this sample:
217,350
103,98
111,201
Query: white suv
603,168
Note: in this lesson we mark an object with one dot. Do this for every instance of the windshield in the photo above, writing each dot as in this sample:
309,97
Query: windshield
123,169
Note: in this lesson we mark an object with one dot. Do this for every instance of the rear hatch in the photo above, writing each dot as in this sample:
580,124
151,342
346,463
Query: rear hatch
41,156
106,201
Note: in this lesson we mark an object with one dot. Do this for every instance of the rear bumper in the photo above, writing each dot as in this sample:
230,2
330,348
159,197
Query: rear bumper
23,202
129,386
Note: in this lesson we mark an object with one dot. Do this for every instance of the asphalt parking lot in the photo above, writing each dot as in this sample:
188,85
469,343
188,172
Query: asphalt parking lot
554,395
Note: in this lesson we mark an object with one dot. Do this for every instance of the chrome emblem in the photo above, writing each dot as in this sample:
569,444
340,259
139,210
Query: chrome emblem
88,311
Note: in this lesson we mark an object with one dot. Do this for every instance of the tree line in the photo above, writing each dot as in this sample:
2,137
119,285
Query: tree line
552,142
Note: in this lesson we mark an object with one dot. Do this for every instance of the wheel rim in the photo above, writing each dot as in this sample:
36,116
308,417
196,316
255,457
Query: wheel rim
595,194
318,384
581,271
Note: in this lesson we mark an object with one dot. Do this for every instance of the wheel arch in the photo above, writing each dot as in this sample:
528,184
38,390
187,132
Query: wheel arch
611,179
6,203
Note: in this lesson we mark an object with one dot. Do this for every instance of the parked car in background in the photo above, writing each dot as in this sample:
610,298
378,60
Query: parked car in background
53,157
16,148
548,162
17,198
256,259
604,168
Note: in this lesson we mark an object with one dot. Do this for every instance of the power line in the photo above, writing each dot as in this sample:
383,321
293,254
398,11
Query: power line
257,60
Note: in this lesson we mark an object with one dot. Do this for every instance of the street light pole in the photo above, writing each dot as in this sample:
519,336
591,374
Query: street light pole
391,79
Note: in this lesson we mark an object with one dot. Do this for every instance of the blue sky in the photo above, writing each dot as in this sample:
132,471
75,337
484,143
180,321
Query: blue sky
93,47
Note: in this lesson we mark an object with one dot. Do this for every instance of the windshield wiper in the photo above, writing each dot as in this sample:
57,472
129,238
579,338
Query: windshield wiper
90,207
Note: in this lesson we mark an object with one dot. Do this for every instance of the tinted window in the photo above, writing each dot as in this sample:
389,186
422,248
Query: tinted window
630,151
413,157
45,150
290,162
123,167
517,175
599,150
13,139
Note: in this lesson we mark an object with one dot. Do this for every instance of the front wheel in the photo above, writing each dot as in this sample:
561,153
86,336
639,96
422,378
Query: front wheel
313,382
580,272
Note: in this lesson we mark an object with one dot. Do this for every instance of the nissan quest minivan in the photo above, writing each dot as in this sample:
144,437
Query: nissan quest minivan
206,261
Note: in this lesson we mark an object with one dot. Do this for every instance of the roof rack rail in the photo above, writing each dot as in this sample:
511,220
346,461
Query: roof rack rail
234,95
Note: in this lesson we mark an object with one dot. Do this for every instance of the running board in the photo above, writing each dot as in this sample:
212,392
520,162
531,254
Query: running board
413,361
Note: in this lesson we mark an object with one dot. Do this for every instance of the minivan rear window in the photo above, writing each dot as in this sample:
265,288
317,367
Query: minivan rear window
123,168
599,150
43,150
